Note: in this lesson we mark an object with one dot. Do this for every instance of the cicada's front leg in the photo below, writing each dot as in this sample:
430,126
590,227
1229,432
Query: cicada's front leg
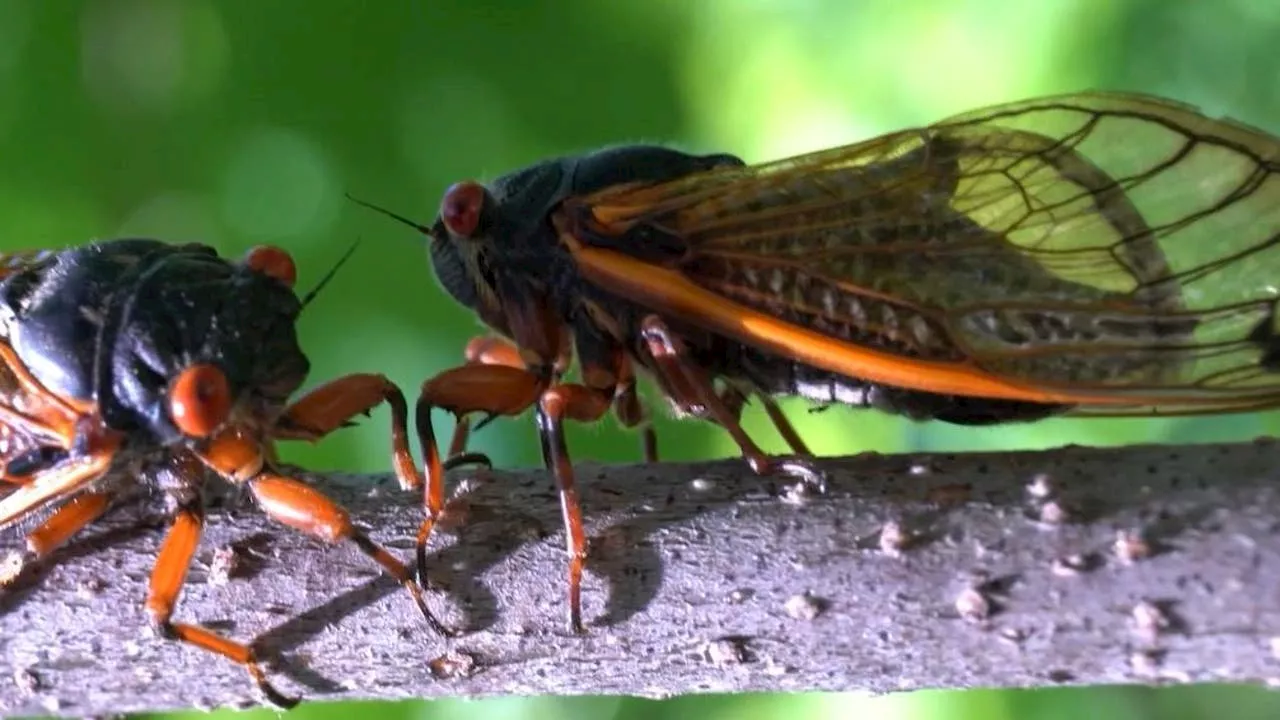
496,390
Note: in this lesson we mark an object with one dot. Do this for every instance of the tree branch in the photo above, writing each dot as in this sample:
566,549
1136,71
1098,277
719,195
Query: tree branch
1073,566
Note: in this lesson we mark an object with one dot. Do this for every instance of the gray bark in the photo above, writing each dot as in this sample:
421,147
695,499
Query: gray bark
1068,567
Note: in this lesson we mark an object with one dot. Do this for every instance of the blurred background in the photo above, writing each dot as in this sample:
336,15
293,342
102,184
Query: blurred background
238,122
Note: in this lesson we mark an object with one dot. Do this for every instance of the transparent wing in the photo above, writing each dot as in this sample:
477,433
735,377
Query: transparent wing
1110,243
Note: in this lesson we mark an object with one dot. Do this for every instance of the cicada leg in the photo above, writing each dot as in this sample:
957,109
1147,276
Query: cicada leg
483,350
334,404
690,385
167,579
70,518
292,502
61,480
735,400
583,404
490,350
503,390
493,390
630,411
316,414
784,426
67,478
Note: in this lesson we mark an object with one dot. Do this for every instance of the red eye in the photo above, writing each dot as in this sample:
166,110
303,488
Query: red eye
199,400
273,261
461,207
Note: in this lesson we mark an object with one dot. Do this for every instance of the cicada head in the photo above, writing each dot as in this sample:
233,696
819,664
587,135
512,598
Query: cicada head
492,246
496,249
197,342
485,236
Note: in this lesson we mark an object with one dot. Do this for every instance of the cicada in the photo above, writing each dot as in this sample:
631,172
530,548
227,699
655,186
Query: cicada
1093,254
138,365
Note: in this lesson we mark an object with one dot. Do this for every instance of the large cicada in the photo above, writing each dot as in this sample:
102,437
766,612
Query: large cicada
1100,254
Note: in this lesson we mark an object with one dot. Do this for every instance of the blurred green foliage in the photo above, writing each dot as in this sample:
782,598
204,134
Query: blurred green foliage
241,122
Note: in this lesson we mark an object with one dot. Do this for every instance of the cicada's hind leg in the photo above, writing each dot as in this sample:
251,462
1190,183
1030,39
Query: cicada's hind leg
64,478
735,400
784,426
691,387
631,414
69,519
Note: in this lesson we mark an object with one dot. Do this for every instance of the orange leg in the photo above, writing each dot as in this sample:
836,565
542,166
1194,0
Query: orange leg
493,390
691,386
167,579
631,414
302,507
688,399
296,504
584,404
490,350
334,404
69,519
61,480
484,350
500,390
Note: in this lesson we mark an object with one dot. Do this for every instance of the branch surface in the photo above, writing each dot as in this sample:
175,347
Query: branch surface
1074,566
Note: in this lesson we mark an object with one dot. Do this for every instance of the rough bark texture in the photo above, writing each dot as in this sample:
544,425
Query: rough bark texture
1074,566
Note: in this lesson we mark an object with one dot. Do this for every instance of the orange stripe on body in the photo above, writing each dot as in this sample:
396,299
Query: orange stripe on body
670,293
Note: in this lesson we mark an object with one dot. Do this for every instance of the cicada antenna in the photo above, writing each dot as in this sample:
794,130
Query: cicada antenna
311,295
394,216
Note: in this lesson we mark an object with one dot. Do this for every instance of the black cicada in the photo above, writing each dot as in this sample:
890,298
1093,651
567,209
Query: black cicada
1095,254
136,362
